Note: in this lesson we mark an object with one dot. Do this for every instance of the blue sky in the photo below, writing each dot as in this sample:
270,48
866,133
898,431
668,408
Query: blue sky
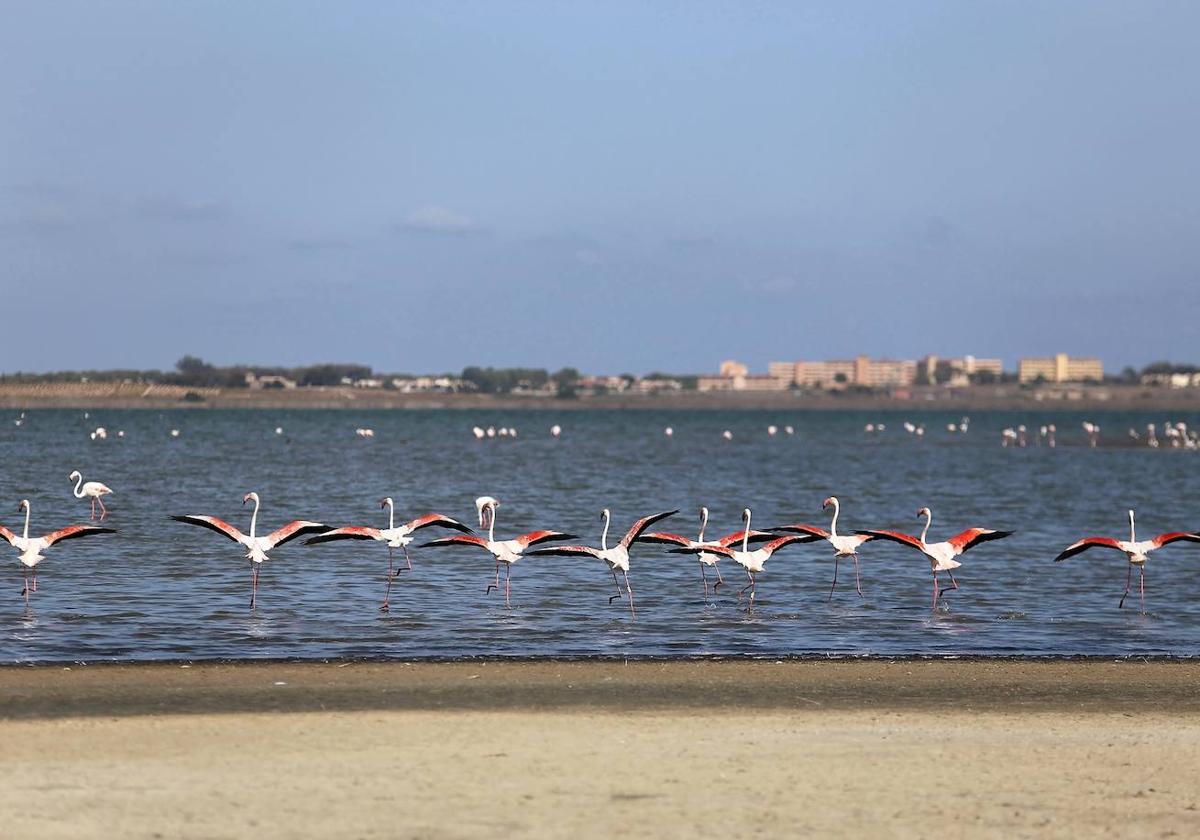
615,186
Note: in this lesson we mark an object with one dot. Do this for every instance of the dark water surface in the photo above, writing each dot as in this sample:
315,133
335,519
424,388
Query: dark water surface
162,590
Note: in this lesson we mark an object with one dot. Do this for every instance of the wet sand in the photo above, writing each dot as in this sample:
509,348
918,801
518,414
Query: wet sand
602,749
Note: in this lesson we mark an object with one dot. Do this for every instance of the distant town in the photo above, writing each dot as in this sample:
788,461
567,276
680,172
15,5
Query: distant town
963,380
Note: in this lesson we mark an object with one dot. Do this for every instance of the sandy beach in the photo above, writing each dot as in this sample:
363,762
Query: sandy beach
601,749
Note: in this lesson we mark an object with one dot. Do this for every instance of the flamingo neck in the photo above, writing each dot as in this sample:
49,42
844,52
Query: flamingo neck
604,536
26,533
837,508
254,518
79,481
746,533
703,525
391,515
1132,535
491,523
928,521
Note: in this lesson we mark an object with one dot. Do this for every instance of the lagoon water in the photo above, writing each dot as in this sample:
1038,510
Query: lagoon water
161,590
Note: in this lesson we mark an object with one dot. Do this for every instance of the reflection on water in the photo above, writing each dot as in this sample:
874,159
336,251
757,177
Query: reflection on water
161,590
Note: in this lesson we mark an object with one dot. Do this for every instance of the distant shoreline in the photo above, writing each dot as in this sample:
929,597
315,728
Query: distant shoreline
979,398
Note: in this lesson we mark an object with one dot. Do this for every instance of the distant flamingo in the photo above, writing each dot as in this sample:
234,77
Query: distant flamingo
941,555
705,558
844,545
506,551
616,557
394,537
751,561
256,547
1136,552
93,490
31,548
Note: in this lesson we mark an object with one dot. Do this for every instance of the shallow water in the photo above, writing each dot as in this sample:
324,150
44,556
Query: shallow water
163,590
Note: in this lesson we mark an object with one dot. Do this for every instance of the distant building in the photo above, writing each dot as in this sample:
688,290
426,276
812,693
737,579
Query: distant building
838,373
257,383
1172,380
960,369
735,376
1060,368
732,368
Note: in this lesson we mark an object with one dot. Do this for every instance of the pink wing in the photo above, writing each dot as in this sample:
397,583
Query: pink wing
213,524
292,530
72,531
974,536
443,541
535,537
894,536
565,551
1174,536
801,528
1086,543
663,538
642,524
709,548
776,544
350,532
734,540
7,534
438,519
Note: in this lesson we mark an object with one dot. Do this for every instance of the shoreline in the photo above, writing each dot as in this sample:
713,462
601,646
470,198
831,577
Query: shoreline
918,400
1094,685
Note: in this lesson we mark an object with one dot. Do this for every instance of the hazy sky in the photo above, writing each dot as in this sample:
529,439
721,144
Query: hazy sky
615,186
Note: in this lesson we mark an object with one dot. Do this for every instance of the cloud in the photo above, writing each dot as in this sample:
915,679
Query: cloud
438,220
174,209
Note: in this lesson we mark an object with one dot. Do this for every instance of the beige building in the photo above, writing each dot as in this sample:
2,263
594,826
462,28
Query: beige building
1060,368
961,369
740,380
836,373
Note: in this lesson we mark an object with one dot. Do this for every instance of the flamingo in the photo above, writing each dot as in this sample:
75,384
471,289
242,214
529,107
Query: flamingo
256,547
941,555
751,561
844,545
616,557
31,548
1137,552
705,558
93,490
393,536
506,551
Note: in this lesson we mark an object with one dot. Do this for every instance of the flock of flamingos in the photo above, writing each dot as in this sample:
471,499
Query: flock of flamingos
748,548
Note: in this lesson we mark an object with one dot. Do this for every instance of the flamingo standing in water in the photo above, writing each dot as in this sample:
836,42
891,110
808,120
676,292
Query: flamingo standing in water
751,561
616,557
393,536
31,548
92,490
507,552
844,545
1135,551
256,547
705,558
941,555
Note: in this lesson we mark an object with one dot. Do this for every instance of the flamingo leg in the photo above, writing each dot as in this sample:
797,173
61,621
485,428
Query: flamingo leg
387,593
857,581
835,571
93,507
507,584
953,584
742,591
616,583
935,593
253,585
25,590
629,589
407,559
1141,586
495,585
753,592
1128,581
103,509
704,580
35,580
720,580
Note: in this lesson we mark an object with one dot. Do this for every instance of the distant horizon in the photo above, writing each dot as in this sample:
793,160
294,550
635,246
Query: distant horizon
617,187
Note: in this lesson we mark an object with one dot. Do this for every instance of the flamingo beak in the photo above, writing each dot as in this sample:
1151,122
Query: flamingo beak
245,499
826,503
